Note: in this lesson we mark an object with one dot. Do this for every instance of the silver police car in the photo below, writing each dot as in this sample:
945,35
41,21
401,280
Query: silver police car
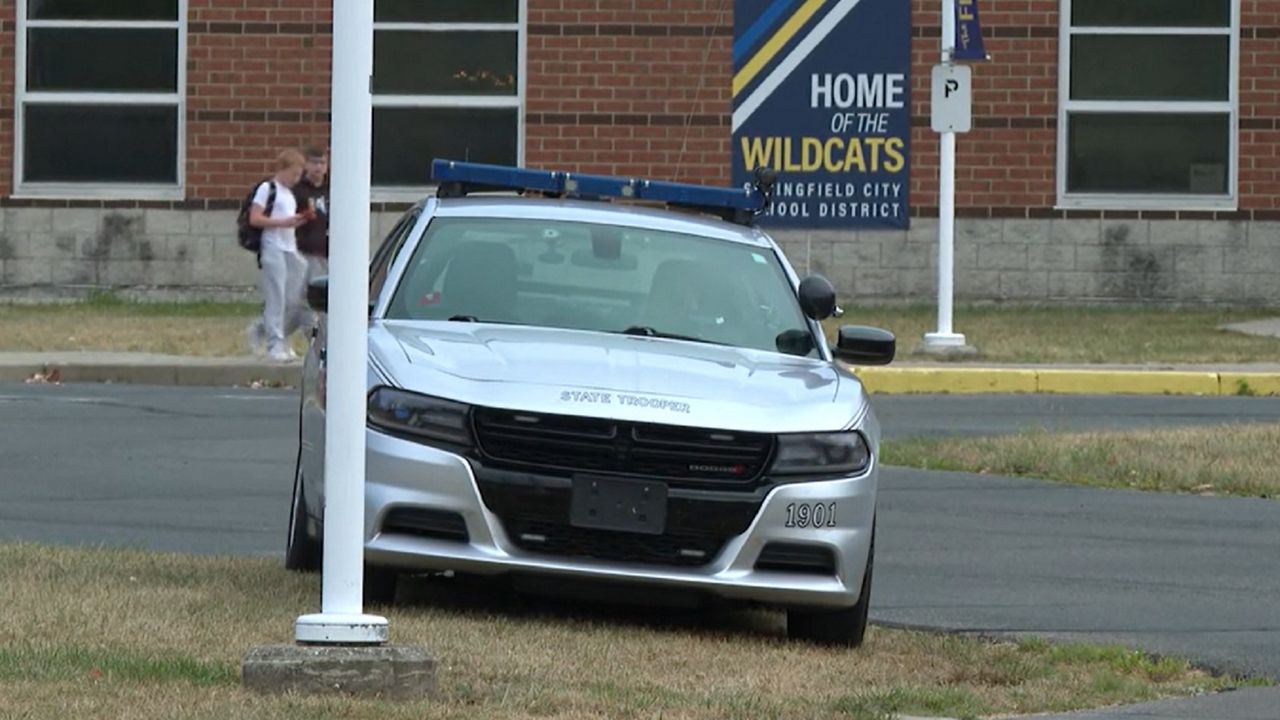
567,387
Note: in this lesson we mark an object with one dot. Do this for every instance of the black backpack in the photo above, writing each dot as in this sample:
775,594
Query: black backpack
250,237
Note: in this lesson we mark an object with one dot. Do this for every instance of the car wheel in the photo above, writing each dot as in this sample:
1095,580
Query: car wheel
845,626
379,585
302,552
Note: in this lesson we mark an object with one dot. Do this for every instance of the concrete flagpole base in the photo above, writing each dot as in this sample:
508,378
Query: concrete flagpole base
946,346
386,672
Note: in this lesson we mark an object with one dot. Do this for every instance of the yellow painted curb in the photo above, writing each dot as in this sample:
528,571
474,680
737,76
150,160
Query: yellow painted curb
947,380
962,380
1097,382
1240,383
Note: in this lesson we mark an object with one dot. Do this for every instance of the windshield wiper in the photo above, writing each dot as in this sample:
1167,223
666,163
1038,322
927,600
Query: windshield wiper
648,331
474,319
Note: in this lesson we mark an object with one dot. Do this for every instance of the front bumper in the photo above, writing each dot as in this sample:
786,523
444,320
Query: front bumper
404,475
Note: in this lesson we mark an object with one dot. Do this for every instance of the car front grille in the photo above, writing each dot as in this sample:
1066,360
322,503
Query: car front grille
679,549
694,456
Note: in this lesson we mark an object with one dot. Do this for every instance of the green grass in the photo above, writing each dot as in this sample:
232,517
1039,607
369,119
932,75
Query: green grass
109,303
1234,459
70,662
888,704
1006,334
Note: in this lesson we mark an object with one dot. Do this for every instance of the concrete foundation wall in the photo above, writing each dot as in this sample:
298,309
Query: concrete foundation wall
151,253
194,254
1060,260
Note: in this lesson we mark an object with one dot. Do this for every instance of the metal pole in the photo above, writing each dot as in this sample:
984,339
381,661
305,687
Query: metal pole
946,232
342,619
944,337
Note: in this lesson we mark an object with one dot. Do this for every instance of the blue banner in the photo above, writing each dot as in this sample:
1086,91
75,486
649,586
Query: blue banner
822,94
968,32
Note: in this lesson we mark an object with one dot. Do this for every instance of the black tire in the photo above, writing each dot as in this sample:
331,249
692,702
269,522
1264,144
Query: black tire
379,585
845,626
302,552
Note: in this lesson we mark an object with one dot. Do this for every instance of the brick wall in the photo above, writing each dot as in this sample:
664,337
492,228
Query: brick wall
1259,104
632,87
257,81
1006,164
642,87
587,113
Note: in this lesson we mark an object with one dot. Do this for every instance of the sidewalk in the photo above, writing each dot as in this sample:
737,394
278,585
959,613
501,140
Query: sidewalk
906,376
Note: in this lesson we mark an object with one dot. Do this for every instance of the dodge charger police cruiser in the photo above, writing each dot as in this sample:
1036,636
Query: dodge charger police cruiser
587,378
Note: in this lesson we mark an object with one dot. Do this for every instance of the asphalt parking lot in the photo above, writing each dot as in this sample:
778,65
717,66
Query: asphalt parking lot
209,470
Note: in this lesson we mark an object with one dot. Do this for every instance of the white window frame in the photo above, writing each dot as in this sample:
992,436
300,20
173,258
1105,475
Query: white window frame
403,194
1136,201
23,97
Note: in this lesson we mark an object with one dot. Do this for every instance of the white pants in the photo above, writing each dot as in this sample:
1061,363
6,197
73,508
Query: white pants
284,310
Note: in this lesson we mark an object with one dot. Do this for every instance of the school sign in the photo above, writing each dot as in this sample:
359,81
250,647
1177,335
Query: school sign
822,94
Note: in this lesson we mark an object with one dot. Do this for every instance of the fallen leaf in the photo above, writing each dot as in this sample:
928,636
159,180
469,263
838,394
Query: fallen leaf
53,377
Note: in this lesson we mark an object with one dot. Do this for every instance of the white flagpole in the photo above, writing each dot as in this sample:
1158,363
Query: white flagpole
945,337
342,620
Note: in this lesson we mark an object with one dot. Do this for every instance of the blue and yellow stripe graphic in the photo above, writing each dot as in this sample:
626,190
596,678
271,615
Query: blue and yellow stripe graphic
776,43
807,25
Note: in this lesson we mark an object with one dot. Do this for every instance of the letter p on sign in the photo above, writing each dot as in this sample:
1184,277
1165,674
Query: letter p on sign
952,98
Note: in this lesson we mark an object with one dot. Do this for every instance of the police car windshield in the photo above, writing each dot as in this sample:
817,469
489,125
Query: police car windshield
604,278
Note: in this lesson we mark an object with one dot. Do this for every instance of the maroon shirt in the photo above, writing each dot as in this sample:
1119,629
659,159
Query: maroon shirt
313,237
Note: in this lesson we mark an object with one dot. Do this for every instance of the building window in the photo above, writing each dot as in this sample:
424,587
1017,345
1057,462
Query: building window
447,83
100,99
1149,104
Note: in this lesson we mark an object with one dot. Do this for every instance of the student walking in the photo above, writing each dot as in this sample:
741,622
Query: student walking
283,269
312,192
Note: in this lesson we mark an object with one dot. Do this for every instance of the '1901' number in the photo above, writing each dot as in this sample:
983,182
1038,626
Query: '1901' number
811,515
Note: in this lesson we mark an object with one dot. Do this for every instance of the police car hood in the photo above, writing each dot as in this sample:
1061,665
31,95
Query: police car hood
624,377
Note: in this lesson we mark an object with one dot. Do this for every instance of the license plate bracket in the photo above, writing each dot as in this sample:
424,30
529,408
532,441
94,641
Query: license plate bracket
604,503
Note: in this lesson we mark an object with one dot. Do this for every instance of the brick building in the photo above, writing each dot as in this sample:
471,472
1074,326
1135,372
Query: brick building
1149,171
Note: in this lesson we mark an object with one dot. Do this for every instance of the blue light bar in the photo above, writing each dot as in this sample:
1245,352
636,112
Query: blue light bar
460,178
497,177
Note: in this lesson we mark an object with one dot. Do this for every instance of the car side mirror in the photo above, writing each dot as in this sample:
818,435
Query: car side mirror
817,297
318,294
861,345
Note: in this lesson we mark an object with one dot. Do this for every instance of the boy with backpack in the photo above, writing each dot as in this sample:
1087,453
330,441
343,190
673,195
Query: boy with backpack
267,226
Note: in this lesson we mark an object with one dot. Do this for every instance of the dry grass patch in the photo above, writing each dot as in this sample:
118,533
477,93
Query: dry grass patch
1221,460
1003,334
108,633
106,324
1012,334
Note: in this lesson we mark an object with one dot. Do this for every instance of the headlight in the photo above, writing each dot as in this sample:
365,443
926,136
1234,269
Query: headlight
415,414
843,453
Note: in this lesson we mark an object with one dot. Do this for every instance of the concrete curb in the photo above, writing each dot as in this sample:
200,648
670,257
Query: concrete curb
213,372
129,368
920,380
